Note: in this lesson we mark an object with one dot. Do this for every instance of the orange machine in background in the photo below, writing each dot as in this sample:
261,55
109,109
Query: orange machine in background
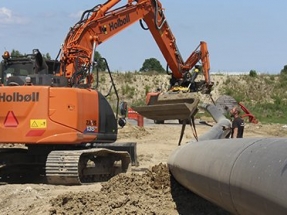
132,114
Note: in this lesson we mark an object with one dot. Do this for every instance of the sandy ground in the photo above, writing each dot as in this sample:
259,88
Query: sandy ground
145,189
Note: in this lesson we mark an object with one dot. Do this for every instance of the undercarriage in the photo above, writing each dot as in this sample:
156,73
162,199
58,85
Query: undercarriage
68,165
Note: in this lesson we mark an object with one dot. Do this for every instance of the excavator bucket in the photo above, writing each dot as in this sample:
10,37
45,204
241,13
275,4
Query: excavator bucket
169,106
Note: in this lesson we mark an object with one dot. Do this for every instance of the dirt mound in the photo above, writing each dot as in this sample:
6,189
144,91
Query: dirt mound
154,192
131,131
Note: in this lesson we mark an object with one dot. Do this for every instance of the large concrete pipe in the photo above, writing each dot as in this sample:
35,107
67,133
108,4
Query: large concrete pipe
244,176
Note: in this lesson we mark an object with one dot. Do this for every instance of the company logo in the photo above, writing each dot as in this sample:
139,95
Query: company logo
120,22
18,97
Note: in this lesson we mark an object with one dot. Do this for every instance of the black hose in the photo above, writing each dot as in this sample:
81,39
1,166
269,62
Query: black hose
156,14
158,27
142,25
86,13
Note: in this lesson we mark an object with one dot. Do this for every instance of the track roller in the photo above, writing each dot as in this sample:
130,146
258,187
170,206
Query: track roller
85,166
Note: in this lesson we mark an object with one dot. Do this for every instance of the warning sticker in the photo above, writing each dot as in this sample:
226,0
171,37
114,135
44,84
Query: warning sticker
38,123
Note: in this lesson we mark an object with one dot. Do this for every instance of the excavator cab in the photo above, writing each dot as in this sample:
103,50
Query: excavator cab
30,69
15,69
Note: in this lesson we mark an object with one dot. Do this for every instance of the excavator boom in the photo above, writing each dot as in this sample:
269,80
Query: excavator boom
103,22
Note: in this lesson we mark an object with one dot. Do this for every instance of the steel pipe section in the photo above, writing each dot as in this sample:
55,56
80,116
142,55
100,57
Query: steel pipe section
244,176
220,129
214,111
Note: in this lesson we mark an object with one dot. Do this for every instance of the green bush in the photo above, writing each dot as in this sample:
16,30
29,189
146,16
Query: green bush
284,70
253,73
147,89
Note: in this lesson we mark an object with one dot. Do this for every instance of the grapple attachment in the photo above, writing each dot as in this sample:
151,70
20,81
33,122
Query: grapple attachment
168,106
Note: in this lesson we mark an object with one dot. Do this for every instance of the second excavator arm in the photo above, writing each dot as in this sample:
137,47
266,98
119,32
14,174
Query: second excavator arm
102,22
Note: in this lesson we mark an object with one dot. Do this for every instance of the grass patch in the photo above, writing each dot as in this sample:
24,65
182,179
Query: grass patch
265,97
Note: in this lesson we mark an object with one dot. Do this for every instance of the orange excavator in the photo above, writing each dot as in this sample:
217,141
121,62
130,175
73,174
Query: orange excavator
66,128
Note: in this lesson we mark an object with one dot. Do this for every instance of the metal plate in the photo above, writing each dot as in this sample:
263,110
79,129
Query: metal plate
225,103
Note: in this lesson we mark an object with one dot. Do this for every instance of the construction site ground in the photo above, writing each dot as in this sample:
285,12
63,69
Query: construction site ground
145,189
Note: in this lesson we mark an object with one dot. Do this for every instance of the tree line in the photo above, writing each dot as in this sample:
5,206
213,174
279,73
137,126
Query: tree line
151,64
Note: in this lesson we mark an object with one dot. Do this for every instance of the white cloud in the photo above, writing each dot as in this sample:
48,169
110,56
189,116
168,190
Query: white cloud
76,15
5,13
7,17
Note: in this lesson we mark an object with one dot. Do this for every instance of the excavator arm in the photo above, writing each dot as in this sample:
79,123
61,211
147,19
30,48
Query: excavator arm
200,54
102,22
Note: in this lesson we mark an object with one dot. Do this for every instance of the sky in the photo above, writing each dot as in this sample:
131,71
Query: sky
241,35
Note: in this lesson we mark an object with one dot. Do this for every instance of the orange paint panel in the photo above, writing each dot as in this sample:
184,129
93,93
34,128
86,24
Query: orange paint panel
75,108
65,112
35,133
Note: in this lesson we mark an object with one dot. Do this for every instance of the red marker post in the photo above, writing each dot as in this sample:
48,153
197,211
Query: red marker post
132,114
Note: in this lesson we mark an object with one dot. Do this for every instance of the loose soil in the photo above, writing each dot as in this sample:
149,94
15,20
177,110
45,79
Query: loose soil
145,189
